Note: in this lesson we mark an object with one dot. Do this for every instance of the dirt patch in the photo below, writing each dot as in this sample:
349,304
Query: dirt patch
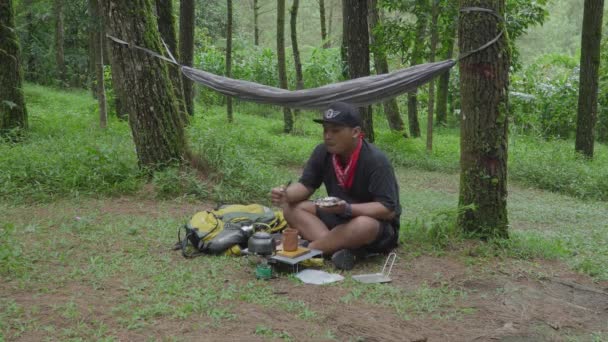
495,300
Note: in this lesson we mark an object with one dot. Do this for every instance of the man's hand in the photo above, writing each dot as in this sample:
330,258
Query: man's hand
277,196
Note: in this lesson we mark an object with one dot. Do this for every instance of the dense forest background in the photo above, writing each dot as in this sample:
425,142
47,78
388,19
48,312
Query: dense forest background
545,64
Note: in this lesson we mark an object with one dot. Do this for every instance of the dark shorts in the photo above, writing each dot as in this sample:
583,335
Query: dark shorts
385,241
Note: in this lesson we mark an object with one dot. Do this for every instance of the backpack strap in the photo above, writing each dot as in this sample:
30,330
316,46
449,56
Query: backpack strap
184,242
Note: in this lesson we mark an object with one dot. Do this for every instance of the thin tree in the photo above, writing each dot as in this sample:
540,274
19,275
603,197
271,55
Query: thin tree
98,60
484,80
256,27
154,116
294,44
434,38
229,56
329,24
344,43
417,56
29,63
13,113
168,33
59,39
447,45
323,27
186,48
287,115
391,108
589,76
357,45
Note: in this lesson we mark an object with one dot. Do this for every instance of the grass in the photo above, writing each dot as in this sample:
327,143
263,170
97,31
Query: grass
52,243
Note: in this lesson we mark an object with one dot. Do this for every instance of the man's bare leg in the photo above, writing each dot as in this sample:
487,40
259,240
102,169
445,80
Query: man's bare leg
302,216
358,232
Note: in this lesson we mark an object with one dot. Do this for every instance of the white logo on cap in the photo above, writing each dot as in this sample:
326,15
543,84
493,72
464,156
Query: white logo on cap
330,113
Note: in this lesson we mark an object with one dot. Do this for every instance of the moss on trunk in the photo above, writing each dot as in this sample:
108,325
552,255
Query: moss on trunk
484,78
13,113
154,116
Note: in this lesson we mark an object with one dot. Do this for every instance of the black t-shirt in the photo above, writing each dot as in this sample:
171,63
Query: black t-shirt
374,179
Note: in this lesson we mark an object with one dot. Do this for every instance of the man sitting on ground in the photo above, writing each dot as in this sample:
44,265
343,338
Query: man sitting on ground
366,218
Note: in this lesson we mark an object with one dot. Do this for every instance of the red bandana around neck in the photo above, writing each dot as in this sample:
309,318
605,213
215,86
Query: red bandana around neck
346,175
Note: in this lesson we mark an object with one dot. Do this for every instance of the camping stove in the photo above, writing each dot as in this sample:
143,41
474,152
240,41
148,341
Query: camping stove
263,246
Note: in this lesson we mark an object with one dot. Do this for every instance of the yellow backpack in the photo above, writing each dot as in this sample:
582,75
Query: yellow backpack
226,229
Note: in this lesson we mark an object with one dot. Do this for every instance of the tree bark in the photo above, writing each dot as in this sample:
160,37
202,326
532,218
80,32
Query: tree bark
323,27
589,77
434,38
93,39
417,54
484,81
391,108
229,56
296,51
358,53
444,79
30,63
344,44
186,48
330,20
97,48
59,39
166,27
13,113
287,115
294,45
256,28
154,117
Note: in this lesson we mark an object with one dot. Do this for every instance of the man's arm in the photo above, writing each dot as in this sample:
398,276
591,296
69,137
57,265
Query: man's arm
294,193
376,210
297,192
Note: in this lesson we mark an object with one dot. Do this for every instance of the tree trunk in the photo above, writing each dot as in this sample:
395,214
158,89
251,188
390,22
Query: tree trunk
589,74
229,56
296,51
344,45
417,54
444,79
329,22
166,27
434,34
294,45
154,117
323,29
358,53
93,42
287,115
484,81
186,49
13,113
256,28
391,108
97,48
30,63
59,55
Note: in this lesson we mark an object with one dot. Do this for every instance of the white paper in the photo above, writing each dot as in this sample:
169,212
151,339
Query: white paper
317,277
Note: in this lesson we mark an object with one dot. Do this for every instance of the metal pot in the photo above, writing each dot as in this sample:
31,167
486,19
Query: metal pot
261,243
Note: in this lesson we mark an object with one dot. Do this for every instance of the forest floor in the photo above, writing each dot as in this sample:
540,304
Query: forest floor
102,269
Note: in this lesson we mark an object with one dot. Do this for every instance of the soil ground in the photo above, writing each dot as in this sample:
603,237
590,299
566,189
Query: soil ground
109,285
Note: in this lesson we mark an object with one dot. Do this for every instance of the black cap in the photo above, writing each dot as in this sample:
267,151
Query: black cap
342,114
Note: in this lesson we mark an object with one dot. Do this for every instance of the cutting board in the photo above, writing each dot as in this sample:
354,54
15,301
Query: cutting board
294,254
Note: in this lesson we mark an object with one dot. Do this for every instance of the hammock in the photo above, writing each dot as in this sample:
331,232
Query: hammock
359,92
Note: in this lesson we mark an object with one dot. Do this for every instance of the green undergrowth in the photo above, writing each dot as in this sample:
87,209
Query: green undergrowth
65,154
